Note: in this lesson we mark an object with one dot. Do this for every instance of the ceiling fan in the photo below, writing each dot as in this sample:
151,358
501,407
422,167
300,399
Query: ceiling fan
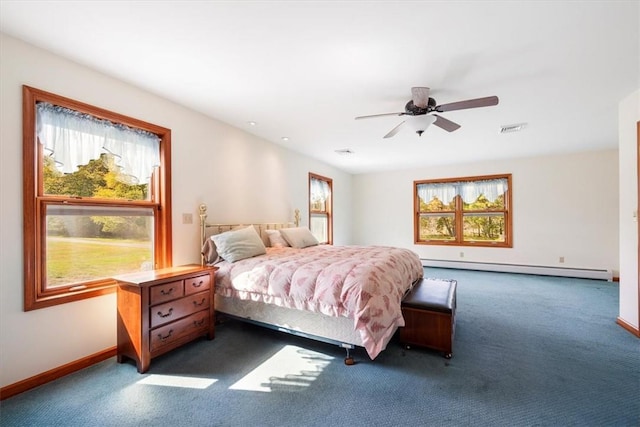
421,104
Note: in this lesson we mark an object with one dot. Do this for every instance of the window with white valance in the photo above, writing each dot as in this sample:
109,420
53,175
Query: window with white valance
97,198
464,211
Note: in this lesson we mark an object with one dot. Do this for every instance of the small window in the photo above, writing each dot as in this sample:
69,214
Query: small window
97,198
320,208
464,211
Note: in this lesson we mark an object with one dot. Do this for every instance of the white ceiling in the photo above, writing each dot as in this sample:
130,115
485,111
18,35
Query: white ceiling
304,70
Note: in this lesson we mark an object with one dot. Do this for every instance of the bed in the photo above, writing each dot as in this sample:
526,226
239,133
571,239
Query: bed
344,295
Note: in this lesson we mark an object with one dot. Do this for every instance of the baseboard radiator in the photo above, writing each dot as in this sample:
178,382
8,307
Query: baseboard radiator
584,273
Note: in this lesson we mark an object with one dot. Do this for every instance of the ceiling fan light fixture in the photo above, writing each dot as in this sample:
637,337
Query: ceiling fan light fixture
517,127
420,123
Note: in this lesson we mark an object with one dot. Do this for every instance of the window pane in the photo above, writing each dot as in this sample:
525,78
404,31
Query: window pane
319,205
99,178
86,243
482,204
484,227
437,227
319,194
319,226
436,205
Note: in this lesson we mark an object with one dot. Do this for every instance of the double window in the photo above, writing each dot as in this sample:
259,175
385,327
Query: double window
97,198
320,208
474,211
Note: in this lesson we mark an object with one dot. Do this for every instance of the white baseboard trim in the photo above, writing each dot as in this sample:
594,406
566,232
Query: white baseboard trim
584,273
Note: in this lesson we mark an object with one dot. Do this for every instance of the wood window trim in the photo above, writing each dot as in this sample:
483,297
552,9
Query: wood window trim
35,296
508,212
329,209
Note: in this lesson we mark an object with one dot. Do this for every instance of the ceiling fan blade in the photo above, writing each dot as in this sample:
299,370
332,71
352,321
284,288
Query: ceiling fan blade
380,115
470,103
420,96
394,130
445,124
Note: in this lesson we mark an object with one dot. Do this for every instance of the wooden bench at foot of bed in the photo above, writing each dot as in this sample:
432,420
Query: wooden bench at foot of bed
429,312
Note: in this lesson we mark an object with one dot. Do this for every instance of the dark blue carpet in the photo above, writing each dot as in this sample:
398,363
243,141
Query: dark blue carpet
529,351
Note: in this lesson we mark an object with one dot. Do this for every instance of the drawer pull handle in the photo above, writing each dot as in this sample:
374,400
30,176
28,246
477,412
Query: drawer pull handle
200,303
166,315
197,285
169,292
197,323
166,336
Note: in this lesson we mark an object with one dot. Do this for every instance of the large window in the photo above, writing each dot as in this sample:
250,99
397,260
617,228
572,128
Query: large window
473,211
97,198
320,208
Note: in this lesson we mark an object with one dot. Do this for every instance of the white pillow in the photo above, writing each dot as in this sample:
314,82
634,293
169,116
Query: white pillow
299,237
239,244
276,240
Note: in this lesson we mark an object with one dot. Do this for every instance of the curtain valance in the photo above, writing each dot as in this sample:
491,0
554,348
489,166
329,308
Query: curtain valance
73,139
468,190
319,191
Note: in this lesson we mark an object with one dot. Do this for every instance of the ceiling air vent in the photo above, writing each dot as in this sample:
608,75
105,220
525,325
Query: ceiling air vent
512,128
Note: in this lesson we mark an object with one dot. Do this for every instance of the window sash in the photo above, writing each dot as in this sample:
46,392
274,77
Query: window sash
319,226
74,252
319,194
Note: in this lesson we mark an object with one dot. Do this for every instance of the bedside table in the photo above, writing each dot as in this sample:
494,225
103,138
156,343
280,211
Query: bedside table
160,310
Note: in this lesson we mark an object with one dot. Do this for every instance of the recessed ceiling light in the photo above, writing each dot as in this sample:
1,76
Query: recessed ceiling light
517,127
345,151
285,138
251,123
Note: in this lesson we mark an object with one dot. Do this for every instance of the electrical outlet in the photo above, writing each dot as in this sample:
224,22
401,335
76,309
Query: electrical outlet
461,254
561,260
187,218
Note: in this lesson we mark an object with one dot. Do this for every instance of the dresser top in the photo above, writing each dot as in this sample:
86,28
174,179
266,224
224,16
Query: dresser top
141,277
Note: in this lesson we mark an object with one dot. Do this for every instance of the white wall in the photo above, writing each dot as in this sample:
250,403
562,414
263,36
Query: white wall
629,115
240,177
565,205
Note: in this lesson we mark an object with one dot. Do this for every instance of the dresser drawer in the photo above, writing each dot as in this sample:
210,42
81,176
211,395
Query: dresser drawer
166,292
197,322
170,311
197,284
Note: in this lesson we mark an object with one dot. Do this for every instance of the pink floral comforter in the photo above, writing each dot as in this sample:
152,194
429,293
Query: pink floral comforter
365,283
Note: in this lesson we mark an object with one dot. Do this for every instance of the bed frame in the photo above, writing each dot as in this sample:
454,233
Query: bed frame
315,326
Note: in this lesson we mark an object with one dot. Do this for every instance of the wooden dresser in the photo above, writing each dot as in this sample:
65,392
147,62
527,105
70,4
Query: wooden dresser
160,310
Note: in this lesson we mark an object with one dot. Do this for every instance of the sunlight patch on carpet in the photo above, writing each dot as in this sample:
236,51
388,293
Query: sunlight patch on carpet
290,369
177,381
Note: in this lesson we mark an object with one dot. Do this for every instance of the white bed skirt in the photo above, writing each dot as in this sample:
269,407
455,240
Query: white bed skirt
332,329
